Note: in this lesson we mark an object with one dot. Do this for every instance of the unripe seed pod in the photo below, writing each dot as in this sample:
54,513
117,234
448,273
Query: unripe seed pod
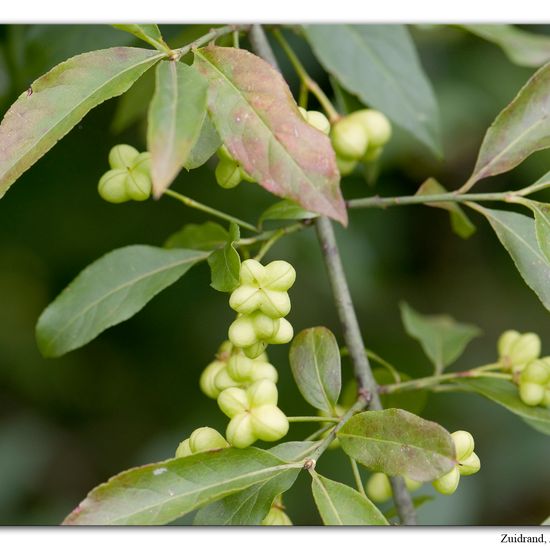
225,349
318,120
252,273
243,369
207,380
531,394
279,275
228,174
112,186
242,332
345,166
525,349
284,334
224,380
122,156
246,299
464,444
546,399
536,372
183,449
233,401
505,342
448,483
412,485
255,350
469,466
303,112
376,124
263,392
245,176
206,439
378,487
224,154
269,423
349,138
276,516
266,327
138,185
264,371
239,431
372,154
142,163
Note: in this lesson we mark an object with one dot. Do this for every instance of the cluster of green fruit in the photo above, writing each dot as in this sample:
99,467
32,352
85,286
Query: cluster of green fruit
129,177
379,489
359,137
520,353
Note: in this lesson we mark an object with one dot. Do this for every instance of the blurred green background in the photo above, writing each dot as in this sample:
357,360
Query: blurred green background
131,395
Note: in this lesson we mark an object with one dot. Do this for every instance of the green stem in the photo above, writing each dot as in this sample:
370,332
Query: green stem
316,434
268,244
357,476
236,39
305,79
384,202
208,37
313,419
188,201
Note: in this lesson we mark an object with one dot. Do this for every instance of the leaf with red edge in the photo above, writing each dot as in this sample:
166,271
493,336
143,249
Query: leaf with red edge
259,122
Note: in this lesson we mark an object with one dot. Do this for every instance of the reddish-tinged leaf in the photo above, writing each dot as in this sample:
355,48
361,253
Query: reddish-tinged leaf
259,122
58,100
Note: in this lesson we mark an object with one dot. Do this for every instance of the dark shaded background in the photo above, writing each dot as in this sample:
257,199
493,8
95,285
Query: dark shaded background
132,394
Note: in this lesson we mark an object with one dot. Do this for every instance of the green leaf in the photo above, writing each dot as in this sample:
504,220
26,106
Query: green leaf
206,236
249,507
522,48
276,146
159,493
107,292
60,99
442,338
517,234
380,65
520,129
339,504
542,226
148,33
398,443
225,263
505,393
206,145
315,362
286,210
175,121
460,223
412,401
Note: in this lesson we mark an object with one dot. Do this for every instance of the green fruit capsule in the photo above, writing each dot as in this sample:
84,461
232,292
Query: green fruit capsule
318,120
263,392
255,350
303,112
275,517
536,372
228,174
470,465
183,449
233,401
224,154
122,156
345,166
142,163
349,138
279,275
448,483
525,349
206,439
546,399
412,485
242,332
376,124
224,380
138,185
464,444
284,334
112,186
531,394
505,342
378,487
239,431
266,327
207,381
269,423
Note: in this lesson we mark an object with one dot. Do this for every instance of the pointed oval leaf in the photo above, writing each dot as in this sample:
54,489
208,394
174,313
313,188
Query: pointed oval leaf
517,234
148,33
162,492
107,292
206,145
225,263
58,100
522,48
505,393
286,210
249,507
380,65
339,504
315,362
520,129
206,236
175,120
442,338
398,443
258,120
